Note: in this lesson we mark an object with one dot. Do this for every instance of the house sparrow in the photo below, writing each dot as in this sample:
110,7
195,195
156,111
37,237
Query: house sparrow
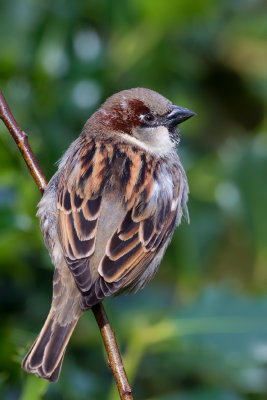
109,212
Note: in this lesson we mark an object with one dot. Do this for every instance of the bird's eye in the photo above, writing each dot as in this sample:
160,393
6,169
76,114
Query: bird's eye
148,117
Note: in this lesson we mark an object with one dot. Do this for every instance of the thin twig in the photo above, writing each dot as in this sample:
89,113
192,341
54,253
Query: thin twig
21,138
114,357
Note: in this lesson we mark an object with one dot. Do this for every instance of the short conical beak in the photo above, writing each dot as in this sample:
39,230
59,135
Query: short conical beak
178,115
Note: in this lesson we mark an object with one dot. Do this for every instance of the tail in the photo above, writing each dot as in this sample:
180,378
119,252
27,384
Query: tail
45,357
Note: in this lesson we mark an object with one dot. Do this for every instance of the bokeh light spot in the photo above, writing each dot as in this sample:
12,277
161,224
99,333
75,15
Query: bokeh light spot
86,94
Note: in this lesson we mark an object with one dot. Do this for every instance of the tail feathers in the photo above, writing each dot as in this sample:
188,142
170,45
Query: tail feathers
45,357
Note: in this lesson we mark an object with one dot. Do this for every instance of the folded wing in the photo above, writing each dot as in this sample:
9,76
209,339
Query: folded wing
148,221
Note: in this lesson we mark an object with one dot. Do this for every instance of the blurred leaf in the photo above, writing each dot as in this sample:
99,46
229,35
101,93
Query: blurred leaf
34,388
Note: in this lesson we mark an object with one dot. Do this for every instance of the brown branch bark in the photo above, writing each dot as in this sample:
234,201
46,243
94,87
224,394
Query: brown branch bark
109,339
21,138
114,356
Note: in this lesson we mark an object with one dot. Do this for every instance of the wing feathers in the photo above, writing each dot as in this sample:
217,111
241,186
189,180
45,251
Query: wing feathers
131,247
84,227
66,201
81,273
78,217
115,270
116,247
92,208
146,229
128,227
149,215
76,200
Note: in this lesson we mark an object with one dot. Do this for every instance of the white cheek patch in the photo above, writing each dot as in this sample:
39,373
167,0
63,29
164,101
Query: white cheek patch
133,140
160,139
154,140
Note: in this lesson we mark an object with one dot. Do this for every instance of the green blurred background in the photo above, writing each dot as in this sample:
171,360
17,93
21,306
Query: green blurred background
199,330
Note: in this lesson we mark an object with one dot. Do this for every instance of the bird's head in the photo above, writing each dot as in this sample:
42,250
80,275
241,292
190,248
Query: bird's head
142,117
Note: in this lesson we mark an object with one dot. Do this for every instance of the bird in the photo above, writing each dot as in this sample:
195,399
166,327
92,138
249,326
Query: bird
109,212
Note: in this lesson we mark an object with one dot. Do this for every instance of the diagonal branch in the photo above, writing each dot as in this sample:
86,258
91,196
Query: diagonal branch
21,138
108,336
